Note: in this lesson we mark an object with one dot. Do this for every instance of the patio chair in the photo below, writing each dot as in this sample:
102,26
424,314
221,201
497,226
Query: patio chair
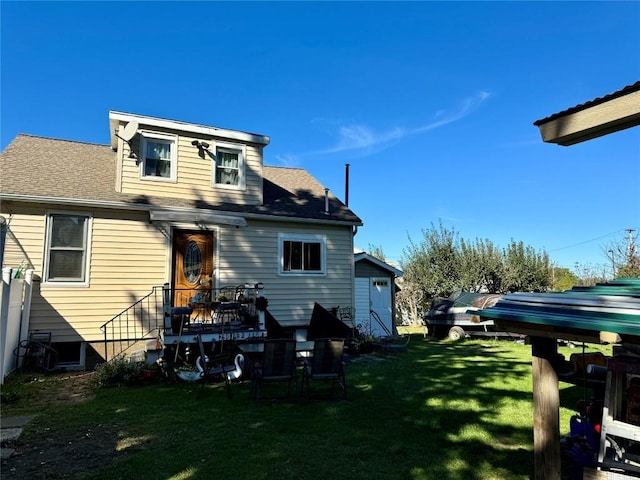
217,367
326,365
278,364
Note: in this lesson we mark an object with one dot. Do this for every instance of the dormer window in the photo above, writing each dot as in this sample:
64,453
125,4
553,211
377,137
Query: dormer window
229,166
158,157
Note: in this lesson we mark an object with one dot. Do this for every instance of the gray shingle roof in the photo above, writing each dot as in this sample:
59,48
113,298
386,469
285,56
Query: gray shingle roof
62,169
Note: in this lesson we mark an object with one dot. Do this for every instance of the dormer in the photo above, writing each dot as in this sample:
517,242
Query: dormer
167,158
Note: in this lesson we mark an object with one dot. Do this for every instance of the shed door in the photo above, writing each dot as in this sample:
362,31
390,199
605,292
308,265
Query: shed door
193,262
380,299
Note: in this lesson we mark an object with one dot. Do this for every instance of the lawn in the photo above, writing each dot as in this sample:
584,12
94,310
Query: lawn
438,410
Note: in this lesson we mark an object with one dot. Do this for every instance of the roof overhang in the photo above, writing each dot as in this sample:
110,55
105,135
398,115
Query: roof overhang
199,218
116,119
365,256
609,114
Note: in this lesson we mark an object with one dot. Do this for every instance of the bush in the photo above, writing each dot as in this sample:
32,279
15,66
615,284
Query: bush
119,371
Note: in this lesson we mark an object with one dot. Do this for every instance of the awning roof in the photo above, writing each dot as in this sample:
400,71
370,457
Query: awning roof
582,313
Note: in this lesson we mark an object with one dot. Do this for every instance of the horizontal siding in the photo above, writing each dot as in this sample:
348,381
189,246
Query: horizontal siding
251,255
128,257
24,242
194,177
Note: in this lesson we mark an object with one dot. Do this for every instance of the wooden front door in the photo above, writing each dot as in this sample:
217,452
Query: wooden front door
193,264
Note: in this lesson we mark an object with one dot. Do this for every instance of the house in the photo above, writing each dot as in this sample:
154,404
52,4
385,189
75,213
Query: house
165,202
375,292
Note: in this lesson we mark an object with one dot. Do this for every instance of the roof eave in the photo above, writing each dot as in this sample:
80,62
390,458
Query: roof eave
83,202
594,121
118,118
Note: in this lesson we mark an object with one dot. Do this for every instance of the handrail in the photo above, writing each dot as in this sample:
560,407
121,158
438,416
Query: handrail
137,322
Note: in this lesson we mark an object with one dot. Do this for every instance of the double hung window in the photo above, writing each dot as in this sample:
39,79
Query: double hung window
158,157
302,254
229,168
67,245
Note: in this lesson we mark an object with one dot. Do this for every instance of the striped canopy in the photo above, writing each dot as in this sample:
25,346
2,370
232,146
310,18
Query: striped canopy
582,313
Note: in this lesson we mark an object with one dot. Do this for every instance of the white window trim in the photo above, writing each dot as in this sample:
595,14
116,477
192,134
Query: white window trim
307,238
242,165
47,244
173,159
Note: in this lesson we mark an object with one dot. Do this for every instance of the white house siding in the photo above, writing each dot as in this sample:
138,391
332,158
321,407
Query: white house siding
363,302
195,175
251,255
128,257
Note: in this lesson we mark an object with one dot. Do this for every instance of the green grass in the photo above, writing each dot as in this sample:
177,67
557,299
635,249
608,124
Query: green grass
439,410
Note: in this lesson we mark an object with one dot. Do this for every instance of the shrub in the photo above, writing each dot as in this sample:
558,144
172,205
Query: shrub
119,371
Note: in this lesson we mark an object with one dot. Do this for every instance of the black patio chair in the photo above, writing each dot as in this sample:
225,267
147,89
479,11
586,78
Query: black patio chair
278,364
214,367
326,365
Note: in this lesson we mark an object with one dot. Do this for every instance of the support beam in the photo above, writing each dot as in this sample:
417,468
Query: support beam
546,410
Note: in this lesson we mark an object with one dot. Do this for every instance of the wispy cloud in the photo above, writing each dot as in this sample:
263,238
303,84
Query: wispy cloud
362,140
288,160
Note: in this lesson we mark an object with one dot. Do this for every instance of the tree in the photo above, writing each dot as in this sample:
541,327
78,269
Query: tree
525,269
622,255
376,251
432,266
441,264
482,266
562,279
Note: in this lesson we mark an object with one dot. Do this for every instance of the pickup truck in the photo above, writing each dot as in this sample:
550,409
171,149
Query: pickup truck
453,317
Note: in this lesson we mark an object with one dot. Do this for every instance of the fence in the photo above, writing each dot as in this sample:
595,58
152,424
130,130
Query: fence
15,307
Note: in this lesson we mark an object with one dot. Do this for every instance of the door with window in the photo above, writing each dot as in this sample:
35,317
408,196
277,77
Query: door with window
193,265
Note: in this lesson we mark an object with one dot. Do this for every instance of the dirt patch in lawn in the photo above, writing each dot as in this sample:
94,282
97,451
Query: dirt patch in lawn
42,452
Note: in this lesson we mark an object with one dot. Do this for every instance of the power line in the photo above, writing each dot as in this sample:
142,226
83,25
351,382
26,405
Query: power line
587,241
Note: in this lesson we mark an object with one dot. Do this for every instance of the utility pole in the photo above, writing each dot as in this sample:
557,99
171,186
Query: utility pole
613,264
631,246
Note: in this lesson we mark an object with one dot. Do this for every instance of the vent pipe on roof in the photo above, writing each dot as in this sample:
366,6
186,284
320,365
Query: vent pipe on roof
326,201
346,185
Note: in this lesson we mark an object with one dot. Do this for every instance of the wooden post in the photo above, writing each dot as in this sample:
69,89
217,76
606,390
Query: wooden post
546,410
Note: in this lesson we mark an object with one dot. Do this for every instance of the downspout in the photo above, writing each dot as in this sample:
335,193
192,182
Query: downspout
3,236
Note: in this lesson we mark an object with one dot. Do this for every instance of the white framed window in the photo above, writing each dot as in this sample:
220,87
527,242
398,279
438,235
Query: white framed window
229,166
302,254
158,157
66,259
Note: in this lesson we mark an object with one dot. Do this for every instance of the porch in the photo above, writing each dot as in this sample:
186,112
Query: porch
168,318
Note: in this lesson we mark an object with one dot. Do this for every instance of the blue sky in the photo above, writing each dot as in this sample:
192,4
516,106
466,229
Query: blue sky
432,104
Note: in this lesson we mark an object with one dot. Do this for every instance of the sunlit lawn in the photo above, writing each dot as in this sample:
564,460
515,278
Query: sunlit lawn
438,410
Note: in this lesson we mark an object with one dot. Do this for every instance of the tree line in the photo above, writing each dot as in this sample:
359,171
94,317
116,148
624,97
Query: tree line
442,263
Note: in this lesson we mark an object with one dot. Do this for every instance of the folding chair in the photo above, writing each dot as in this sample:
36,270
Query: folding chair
326,365
278,364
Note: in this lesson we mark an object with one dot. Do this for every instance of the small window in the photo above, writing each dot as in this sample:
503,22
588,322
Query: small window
67,248
192,262
229,167
302,254
158,157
